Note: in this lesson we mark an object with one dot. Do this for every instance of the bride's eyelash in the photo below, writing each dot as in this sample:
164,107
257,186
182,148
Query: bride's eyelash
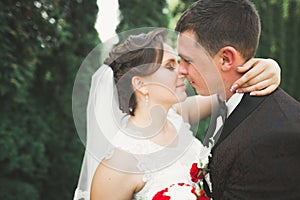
169,67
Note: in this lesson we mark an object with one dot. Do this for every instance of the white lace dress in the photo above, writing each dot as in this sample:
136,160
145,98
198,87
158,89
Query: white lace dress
163,166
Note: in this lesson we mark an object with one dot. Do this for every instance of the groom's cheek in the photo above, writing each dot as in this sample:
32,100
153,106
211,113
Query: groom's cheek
201,85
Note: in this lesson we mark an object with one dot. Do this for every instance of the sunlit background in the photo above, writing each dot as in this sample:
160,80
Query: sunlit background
107,19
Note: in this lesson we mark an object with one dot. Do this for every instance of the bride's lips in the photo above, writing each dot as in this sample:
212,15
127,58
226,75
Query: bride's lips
181,85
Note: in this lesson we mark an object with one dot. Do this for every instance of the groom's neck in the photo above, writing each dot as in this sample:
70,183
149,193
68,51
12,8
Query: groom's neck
229,78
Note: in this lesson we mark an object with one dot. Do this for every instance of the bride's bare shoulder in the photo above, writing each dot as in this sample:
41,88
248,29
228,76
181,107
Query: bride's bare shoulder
116,174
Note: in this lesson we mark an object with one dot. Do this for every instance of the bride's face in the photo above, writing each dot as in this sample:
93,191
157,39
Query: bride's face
166,86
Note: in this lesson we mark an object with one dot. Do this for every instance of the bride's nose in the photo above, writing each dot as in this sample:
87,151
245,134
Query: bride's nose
179,72
182,68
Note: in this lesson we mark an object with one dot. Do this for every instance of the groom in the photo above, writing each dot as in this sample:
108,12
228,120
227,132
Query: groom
257,155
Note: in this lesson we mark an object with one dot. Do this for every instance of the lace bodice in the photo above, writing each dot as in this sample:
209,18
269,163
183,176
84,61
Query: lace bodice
177,172
163,166
165,173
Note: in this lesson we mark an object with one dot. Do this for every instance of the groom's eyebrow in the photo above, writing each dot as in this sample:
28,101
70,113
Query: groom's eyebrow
184,57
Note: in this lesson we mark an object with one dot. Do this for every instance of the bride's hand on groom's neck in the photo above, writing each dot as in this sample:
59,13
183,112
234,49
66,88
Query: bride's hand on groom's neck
260,77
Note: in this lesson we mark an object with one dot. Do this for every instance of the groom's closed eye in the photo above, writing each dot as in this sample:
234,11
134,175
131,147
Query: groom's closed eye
182,58
185,60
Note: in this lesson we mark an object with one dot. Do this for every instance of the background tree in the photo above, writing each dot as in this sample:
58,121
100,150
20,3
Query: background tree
280,39
137,14
43,45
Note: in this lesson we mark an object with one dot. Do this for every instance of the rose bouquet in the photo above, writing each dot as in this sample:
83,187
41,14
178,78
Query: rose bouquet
198,172
179,191
193,190
184,191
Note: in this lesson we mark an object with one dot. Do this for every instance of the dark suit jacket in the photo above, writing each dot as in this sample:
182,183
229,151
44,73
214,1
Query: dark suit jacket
258,153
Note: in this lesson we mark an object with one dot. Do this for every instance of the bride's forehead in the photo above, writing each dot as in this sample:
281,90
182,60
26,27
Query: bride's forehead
169,52
168,48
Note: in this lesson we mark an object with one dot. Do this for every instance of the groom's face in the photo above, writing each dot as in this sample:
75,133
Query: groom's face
201,70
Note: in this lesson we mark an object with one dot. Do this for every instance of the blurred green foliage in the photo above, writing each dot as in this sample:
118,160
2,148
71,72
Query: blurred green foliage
44,42
279,40
138,13
42,46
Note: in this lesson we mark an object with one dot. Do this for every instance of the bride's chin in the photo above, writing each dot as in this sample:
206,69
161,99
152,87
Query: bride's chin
182,98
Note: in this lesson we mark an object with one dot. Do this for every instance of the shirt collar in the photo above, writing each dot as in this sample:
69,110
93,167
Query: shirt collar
233,102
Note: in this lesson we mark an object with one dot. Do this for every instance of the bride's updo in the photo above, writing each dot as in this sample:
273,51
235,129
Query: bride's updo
140,55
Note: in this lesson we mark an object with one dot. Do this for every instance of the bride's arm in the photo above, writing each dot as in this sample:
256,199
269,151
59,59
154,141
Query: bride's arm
262,78
110,182
196,108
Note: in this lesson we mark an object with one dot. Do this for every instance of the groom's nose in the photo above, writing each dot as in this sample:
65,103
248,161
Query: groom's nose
183,68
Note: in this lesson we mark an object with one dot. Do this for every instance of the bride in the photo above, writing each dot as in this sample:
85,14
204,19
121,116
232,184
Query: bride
138,123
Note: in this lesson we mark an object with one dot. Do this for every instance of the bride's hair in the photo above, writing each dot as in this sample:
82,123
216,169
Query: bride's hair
140,55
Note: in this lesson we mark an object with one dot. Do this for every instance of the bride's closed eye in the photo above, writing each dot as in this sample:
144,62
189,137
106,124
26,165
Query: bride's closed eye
170,67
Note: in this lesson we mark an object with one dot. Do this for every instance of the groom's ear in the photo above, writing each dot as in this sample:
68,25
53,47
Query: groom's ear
229,56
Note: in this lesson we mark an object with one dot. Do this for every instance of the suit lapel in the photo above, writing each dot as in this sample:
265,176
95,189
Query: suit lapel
245,107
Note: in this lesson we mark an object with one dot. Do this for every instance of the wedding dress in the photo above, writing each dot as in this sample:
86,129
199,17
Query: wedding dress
177,171
161,166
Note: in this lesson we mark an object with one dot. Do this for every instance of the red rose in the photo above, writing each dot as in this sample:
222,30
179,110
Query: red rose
160,195
194,191
203,196
196,173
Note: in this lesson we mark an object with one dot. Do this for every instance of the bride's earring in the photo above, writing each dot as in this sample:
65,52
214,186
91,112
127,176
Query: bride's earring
146,99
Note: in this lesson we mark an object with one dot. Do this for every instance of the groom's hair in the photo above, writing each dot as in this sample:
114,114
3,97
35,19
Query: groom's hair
219,23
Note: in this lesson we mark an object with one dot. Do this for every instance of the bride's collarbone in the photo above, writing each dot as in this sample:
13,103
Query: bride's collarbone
167,136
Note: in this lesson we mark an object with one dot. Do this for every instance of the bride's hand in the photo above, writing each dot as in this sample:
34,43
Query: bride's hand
262,77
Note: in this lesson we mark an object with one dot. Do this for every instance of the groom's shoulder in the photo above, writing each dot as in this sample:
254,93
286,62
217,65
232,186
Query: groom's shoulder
277,105
283,98
289,107
278,100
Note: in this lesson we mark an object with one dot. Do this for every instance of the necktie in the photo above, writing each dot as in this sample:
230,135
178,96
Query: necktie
212,135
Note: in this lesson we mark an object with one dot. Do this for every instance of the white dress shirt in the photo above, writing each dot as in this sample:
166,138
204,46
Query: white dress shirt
231,104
